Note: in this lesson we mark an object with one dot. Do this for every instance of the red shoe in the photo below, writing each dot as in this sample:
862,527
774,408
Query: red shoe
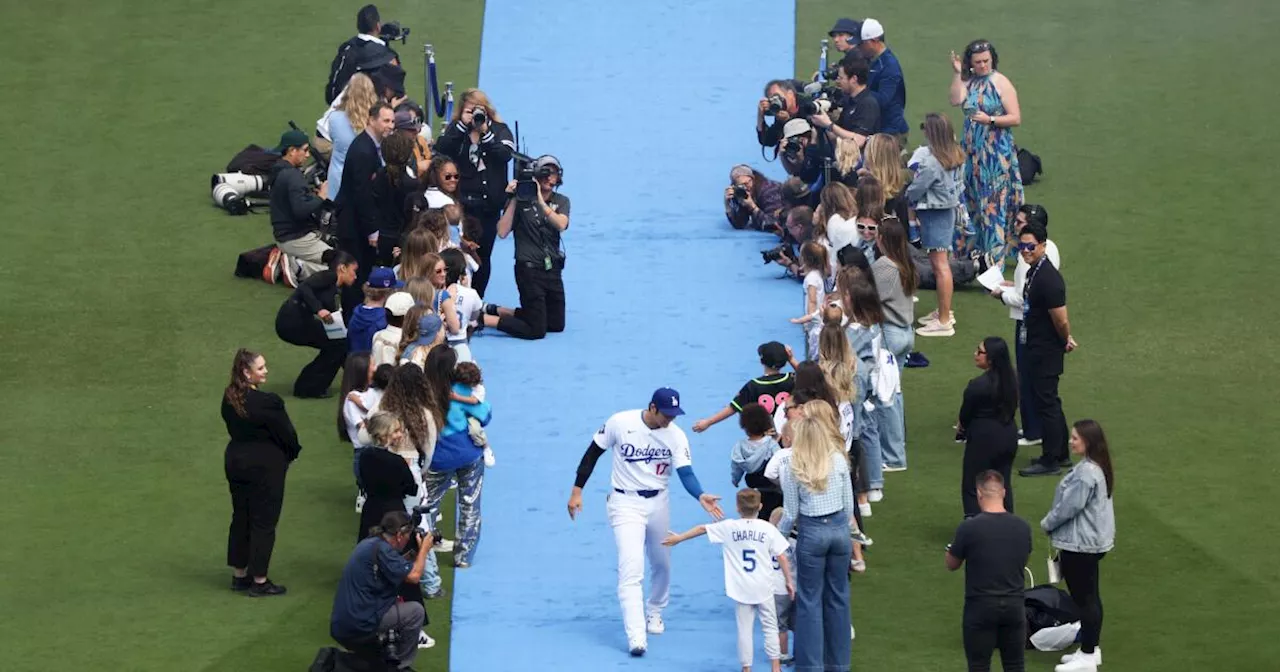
287,273
273,264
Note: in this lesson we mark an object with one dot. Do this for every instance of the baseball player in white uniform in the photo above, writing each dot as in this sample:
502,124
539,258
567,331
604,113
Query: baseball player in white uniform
755,552
647,446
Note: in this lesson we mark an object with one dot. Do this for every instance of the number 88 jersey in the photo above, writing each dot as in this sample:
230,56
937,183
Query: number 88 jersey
643,458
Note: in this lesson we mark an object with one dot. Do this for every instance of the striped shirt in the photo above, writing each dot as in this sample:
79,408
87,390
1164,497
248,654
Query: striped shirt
799,500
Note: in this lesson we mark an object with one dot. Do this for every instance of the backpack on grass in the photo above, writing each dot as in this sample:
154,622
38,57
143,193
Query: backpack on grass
1029,166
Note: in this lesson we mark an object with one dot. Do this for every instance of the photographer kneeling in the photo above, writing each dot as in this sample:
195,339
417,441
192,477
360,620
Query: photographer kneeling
537,219
802,154
294,207
366,607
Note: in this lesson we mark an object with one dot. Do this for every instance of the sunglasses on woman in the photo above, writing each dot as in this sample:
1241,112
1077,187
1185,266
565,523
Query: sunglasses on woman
449,176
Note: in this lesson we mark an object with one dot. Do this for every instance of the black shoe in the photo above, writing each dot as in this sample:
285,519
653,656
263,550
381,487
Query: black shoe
637,651
240,584
491,309
327,394
266,589
1065,463
439,594
1040,469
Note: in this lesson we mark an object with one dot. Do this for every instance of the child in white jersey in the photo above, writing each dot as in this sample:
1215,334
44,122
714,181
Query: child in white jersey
784,602
752,548
815,261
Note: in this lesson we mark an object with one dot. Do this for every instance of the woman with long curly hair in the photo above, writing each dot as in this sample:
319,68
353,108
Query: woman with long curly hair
347,122
263,443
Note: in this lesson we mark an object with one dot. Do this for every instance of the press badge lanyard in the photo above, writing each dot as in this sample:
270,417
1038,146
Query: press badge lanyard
1026,300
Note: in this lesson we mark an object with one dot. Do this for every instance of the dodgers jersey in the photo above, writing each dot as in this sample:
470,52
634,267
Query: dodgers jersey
643,458
749,547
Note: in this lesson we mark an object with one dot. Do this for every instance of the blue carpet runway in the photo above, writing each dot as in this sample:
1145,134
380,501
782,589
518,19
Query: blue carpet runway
647,105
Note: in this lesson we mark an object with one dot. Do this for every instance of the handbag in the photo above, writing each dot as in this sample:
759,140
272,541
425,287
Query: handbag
1053,567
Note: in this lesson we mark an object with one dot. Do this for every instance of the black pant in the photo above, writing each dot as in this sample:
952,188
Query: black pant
366,256
989,444
1045,369
295,325
1081,572
541,304
255,472
489,220
991,623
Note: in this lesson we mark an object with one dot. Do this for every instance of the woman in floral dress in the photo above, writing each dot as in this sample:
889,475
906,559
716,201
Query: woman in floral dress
992,181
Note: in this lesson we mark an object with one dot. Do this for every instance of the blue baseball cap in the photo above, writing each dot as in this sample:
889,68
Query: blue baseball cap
667,401
849,27
382,277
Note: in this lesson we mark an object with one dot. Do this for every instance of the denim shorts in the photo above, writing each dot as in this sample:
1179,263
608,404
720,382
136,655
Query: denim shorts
937,229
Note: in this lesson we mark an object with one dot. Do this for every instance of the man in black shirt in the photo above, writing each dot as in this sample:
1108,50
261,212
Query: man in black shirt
539,260
860,112
770,390
293,206
994,546
1046,338
366,51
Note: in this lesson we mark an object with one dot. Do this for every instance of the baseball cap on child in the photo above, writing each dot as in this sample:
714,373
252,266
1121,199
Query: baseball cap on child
400,303
382,277
773,355
667,401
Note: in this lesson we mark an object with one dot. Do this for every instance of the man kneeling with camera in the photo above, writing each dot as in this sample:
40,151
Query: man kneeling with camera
538,214
367,617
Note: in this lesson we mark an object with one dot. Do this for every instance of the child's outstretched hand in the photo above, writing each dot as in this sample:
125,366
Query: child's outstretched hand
799,320
671,540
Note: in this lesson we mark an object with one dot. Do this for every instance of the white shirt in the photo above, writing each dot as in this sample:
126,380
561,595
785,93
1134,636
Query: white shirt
643,458
773,469
816,280
468,304
1012,296
749,546
841,232
354,417
780,579
385,344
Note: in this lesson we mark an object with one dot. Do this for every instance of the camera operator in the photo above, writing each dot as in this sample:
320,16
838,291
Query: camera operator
294,207
782,101
481,146
860,111
802,153
366,51
752,201
365,607
537,223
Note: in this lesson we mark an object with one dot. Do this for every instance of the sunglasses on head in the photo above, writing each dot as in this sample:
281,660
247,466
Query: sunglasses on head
1027,247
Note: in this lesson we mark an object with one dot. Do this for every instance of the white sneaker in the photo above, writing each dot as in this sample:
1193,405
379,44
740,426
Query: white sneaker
425,641
1096,656
936,329
1030,442
865,510
489,459
1077,665
932,318
445,546
894,469
875,495
853,634
653,624
360,499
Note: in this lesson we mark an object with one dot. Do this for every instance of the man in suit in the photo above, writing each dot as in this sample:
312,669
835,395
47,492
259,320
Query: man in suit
358,217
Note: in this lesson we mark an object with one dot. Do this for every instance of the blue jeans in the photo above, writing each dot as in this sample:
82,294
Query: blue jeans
869,431
823,550
355,466
1026,399
891,418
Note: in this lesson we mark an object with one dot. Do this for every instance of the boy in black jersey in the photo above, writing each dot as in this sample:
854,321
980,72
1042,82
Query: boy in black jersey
770,390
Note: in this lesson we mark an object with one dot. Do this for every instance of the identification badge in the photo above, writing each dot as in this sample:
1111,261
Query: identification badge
1022,333
546,263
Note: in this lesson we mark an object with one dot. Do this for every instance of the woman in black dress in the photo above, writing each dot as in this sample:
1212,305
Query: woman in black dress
302,318
263,443
986,418
385,475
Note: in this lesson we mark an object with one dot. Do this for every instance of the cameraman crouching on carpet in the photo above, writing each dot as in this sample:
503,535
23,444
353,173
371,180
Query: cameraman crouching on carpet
294,207
366,607
538,219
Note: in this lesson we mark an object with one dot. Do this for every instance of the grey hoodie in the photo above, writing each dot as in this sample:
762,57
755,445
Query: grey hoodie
1082,519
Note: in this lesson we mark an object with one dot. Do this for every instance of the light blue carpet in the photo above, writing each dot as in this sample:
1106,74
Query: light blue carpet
647,105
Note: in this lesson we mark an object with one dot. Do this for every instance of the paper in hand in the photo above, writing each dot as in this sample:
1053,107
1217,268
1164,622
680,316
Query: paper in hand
336,327
992,278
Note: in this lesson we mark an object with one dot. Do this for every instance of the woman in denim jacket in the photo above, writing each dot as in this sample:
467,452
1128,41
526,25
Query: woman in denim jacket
1082,526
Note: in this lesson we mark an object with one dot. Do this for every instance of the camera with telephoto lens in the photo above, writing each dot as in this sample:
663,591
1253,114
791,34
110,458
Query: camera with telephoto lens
776,104
230,190
479,118
393,31
819,105
774,255
417,517
791,148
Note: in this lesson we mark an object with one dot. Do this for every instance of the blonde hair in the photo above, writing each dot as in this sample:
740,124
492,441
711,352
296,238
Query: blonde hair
409,332
837,361
423,292
884,161
942,141
477,97
357,99
847,155
417,245
837,199
381,426
749,502
811,450
822,411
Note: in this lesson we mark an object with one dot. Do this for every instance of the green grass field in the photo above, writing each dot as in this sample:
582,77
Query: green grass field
121,314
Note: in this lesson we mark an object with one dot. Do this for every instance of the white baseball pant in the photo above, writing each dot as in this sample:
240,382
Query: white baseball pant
768,625
639,526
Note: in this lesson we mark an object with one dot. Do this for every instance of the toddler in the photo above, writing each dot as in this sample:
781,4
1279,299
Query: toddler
468,388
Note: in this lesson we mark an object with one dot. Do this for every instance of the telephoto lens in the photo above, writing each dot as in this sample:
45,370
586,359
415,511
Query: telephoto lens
479,118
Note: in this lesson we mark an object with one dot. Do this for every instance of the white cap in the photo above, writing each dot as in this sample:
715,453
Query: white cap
400,303
872,30
796,127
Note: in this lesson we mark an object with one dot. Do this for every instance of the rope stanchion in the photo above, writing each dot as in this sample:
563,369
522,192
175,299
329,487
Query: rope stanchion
822,63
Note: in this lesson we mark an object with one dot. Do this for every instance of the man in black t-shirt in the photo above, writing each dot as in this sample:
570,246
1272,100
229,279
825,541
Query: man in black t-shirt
1046,338
860,111
537,224
993,546
770,390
